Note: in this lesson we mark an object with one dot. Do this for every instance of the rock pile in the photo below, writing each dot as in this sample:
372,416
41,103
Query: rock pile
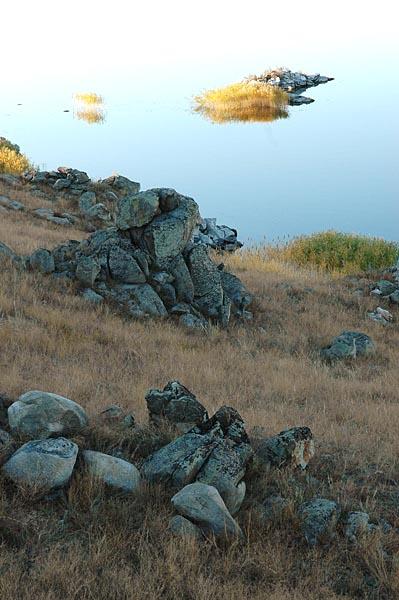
149,264
292,82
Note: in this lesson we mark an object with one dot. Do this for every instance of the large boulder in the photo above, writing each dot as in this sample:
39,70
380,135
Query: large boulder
176,405
203,505
42,260
42,465
112,471
43,414
291,447
136,210
349,344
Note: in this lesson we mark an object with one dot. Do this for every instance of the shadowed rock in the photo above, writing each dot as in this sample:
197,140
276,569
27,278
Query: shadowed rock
293,447
177,405
318,519
182,527
113,471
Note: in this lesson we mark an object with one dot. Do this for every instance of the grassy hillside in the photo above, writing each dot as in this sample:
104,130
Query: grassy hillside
89,543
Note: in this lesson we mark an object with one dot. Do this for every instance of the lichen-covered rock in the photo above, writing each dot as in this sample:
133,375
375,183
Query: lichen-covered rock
136,210
193,323
177,405
318,519
112,471
349,344
42,465
358,524
43,414
169,199
236,291
122,185
42,260
183,528
86,201
139,300
87,269
123,267
293,447
385,287
203,505
7,446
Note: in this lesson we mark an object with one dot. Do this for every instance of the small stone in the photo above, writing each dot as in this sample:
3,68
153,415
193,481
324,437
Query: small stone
318,519
182,527
349,344
358,524
112,471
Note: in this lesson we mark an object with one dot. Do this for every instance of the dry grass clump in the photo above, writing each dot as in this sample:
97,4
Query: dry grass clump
89,98
90,543
243,102
11,159
91,115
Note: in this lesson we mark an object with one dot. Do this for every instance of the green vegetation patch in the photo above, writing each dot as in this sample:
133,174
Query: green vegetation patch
341,252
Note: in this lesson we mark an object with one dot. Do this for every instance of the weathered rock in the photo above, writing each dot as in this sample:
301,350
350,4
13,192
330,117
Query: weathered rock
169,199
112,413
236,291
294,447
358,525
42,260
394,298
177,405
113,471
294,83
42,464
86,201
218,237
272,509
7,253
49,215
138,299
43,414
193,323
123,267
62,184
92,296
87,269
182,280
385,287
318,519
122,185
182,527
349,344
203,505
136,210
7,446
380,315
11,204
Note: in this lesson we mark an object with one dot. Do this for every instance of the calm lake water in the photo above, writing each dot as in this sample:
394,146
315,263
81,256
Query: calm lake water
331,164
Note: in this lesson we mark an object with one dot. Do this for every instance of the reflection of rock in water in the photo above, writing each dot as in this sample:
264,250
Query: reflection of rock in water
246,113
90,115
90,108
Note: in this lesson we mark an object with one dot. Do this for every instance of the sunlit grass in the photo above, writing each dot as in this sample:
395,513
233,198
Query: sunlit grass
11,159
89,98
243,102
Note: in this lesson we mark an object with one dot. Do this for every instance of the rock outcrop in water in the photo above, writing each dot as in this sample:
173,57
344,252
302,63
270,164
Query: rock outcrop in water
293,82
151,263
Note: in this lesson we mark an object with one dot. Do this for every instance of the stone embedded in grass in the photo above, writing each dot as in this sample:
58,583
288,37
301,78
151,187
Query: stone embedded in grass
203,505
11,204
42,465
318,520
42,260
358,525
175,404
39,414
349,344
380,315
394,298
136,210
91,296
273,508
292,447
182,527
385,287
112,471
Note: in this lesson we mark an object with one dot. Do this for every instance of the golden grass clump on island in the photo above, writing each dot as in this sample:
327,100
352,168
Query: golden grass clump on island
89,98
90,543
11,159
243,102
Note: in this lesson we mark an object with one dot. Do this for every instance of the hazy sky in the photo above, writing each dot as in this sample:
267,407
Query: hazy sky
93,35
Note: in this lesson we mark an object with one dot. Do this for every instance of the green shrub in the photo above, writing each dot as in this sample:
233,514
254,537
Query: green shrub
341,252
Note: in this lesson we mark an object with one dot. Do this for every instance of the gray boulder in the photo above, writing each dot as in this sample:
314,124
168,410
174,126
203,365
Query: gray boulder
43,414
203,505
182,279
349,344
177,405
183,528
11,204
136,210
7,253
42,465
273,508
294,447
357,525
86,201
123,267
385,287
7,446
91,296
42,260
193,323
122,185
169,199
87,270
138,299
394,298
318,520
112,471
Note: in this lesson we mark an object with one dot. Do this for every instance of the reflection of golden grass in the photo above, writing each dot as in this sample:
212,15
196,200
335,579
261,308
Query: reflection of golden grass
91,115
243,102
89,98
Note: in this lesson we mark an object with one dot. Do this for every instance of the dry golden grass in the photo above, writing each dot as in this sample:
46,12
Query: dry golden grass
89,98
243,102
91,544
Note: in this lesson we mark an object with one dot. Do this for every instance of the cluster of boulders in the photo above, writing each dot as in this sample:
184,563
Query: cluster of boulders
204,467
293,82
150,263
